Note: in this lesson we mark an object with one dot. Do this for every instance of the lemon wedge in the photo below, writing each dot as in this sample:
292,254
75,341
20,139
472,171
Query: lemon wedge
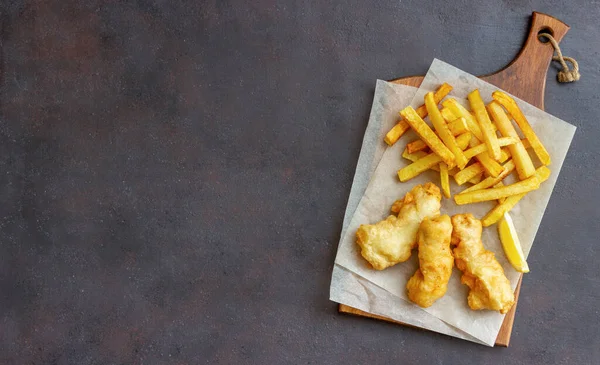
511,244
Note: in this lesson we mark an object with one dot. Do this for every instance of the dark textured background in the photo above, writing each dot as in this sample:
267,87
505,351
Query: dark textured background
174,176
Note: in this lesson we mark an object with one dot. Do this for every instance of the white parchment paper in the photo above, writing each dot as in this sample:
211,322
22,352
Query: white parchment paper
384,188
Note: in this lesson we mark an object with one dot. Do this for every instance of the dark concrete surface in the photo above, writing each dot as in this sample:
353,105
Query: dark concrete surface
174,176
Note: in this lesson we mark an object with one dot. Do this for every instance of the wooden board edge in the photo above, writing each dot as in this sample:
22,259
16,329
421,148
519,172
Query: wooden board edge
503,338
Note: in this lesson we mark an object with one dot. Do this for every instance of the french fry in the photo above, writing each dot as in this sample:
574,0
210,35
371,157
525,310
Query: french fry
526,143
419,166
458,126
504,155
491,167
499,184
480,148
523,186
452,172
402,126
439,94
461,111
494,127
444,132
396,132
489,136
416,145
448,115
468,173
463,140
494,215
436,168
444,179
414,156
522,160
476,179
513,109
509,167
427,135
474,151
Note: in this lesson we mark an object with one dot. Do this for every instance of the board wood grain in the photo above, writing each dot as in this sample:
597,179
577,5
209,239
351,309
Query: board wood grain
524,77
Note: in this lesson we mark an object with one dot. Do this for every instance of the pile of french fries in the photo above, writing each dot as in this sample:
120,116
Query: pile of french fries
480,147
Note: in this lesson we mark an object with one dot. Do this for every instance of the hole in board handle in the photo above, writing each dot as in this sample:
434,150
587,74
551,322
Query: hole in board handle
544,30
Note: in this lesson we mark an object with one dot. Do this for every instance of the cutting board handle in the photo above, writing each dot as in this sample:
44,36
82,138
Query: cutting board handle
525,76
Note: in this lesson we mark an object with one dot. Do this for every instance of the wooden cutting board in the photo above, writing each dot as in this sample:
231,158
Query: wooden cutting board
524,77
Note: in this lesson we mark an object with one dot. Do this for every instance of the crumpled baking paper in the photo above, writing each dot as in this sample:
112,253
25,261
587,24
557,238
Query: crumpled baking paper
450,314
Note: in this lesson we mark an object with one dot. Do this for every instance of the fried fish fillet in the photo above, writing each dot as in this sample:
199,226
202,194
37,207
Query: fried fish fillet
390,241
430,281
490,289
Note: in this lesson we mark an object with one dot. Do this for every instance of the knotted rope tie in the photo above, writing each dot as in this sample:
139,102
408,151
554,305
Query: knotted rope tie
565,75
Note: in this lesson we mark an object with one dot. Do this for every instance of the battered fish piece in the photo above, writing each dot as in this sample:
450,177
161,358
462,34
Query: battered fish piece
390,241
430,281
490,289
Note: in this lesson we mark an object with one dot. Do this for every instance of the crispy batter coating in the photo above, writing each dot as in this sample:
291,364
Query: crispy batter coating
490,289
390,241
430,281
